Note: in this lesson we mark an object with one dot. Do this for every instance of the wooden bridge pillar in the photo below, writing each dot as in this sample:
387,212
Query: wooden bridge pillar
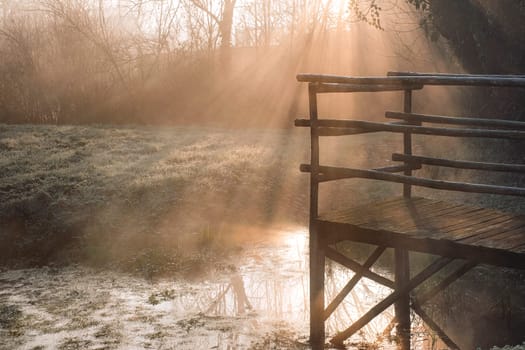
317,247
317,263
407,142
402,305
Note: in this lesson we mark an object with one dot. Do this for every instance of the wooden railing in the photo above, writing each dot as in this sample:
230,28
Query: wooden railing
409,124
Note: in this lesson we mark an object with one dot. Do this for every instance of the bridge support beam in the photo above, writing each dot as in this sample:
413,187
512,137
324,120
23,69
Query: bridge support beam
317,267
402,305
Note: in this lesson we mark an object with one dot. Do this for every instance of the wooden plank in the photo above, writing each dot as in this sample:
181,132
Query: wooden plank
465,121
435,219
519,248
505,240
386,209
419,221
439,220
413,215
508,242
456,215
490,231
359,211
340,173
415,80
483,228
459,164
406,216
393,212
473,223
464,235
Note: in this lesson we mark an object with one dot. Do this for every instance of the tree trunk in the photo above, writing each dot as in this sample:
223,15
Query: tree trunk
225,29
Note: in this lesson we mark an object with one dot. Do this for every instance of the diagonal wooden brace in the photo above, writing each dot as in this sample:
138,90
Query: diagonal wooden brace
463,269
353,281
418,300
405,289
353,265
434,326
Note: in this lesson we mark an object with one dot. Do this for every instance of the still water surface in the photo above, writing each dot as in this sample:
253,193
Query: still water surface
260,303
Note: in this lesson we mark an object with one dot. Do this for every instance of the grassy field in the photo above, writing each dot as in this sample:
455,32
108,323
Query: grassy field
131,192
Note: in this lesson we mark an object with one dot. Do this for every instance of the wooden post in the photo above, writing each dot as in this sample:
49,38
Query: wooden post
407,141
317,254
402,305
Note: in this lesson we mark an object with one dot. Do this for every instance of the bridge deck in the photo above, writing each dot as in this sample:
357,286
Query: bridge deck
432,226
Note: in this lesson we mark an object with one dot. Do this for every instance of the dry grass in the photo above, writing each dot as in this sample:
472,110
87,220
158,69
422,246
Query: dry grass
141,197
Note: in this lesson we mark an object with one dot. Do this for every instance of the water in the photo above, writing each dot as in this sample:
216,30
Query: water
261,303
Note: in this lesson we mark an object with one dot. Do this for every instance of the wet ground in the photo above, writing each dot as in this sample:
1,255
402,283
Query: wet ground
259,304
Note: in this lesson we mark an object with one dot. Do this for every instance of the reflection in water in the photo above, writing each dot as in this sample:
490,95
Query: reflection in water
271,286
266,295
240,300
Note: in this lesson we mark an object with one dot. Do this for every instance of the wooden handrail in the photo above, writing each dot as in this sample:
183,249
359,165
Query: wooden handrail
332,176
488,81
438,119
414,129
334,87
416,74
337,173
335,131
460,164
341,131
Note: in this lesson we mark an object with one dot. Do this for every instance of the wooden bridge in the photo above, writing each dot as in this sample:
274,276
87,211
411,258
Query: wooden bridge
449,231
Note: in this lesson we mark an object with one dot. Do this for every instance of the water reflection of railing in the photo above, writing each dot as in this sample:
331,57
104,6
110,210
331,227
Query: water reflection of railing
239,297
269,290
364,295
274,287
